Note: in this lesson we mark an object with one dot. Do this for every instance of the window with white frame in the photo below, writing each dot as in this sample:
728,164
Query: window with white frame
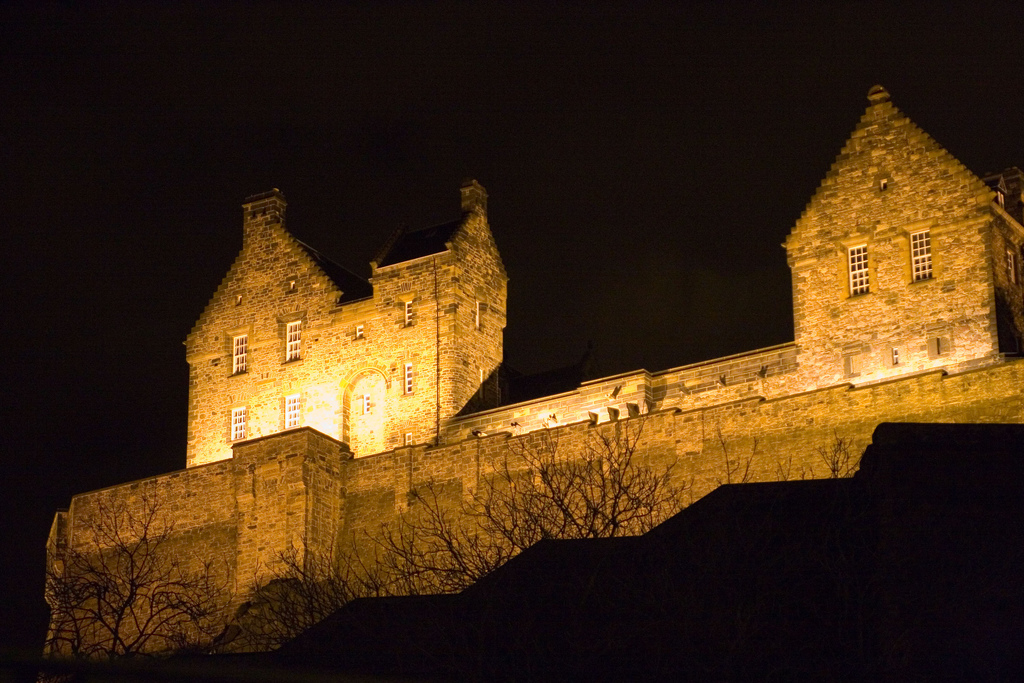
365,403
895,356
292,411
239,352
408,439
408,313
238,423
293,341
858,258
921,255
408,378
360,332
1011,266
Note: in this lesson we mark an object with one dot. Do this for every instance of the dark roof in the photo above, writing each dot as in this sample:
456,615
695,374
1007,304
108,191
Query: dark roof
411,245
351,285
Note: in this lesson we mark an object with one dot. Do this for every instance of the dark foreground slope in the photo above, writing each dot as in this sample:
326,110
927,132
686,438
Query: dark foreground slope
913,568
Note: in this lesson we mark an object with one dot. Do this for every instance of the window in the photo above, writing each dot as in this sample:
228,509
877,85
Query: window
291,411
1011,266
238,416
852,365
937,346
408,378
895,356
477,318
239,349
293,344
921,255
408,313
365,401
859,270
408,438
359,332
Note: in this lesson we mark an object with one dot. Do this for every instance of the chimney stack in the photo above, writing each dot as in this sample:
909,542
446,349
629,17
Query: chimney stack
474,197
262,210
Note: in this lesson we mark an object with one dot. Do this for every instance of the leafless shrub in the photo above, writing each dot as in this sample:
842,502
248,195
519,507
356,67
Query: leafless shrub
538,491
121,593
838,459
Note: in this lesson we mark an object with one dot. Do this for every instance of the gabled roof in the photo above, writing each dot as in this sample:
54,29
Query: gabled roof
406,246
352,286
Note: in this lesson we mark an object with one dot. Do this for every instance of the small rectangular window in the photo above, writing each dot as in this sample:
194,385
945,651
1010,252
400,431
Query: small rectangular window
293,350
408,378
937,346
239,350
895,356
852,365
359,332
921,255
291,411
366,404
1011,266
408,438
408,313
238,419
858,258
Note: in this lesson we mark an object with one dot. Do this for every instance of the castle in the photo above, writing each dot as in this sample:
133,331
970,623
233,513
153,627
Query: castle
318,400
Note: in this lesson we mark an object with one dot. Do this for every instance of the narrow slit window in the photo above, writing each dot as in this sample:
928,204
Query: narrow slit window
477,317
921,255
1011,266
293,350
408,378
238,423
360,332
408,439
408,313
859,282
239,353
895,356
292,411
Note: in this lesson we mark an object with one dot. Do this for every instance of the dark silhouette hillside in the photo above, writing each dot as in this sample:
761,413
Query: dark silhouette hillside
912,568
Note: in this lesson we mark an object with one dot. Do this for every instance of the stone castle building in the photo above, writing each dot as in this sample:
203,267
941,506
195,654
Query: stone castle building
318,400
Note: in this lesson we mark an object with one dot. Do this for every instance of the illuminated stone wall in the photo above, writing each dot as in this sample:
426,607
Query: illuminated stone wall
889,182
757,416
274,281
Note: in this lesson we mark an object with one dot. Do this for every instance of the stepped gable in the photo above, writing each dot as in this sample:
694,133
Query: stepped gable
352,287
889,152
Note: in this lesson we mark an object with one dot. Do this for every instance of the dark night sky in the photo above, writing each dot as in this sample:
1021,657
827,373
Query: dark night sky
644,163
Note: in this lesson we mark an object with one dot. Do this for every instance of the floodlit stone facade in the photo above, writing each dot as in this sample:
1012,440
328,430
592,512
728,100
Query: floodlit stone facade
318,401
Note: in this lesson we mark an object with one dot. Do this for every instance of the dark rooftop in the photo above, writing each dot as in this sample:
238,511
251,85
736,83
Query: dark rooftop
351,285
412,245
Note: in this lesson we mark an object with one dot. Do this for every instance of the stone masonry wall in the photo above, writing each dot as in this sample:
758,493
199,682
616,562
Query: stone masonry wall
892,180
347,351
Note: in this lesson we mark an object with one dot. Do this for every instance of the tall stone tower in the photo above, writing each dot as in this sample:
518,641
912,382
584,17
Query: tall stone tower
902,261
292,339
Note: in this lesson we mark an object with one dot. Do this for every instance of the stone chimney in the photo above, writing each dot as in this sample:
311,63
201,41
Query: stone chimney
260,211
474,197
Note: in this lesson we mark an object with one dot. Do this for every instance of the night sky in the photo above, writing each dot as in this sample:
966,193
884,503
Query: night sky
644,164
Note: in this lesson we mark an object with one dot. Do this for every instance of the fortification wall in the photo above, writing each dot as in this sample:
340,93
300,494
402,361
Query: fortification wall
748,439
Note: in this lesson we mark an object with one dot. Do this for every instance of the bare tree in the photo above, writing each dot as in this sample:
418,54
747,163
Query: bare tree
539,490
122,593
837,457
732,466
304,588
